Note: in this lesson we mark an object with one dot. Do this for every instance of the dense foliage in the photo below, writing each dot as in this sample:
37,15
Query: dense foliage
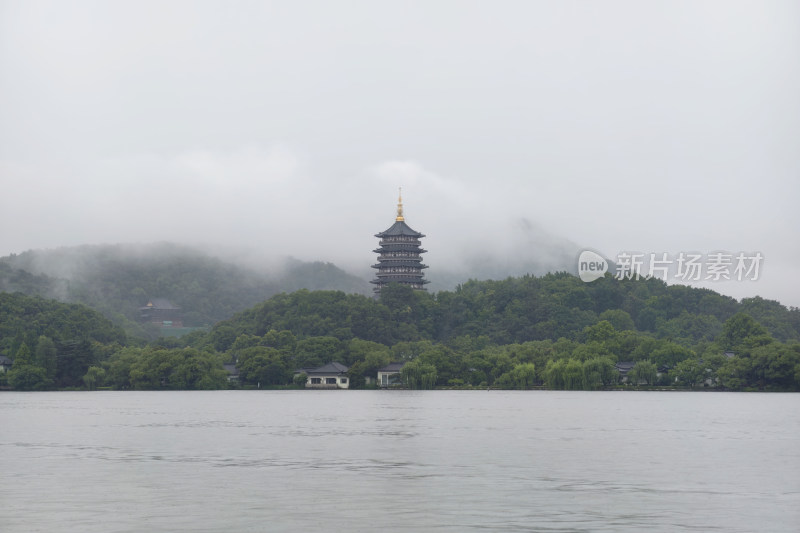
552,331
52,343
515,310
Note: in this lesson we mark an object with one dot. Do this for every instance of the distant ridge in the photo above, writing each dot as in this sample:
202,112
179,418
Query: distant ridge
117,280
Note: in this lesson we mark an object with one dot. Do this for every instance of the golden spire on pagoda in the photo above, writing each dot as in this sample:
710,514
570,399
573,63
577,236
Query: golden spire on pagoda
400,206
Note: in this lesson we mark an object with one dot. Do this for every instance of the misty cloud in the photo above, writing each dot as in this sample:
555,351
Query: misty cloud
520,132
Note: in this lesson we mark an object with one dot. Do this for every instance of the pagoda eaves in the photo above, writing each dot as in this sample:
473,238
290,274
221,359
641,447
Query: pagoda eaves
399,259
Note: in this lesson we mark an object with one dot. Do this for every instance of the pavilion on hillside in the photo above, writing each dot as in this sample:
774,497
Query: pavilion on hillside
162,312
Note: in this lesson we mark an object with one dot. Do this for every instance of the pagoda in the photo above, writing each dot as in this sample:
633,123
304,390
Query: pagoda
399,259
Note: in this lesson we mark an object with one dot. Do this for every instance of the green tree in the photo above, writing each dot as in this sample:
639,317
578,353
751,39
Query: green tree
741,331
689,372
94,377
263,366
591,350
283,340
74,359
499,363
554,374
599,372
418,375
524,376
118,367
46,356
28,378
245,341
643,372
24,375
374,361
374,357
521,377
23,356
668,354
573,375
192,369
222,337
448,364
735,373
773,365
300,380
160,368
357,375
399,299
316,351
618,318
377,355
601,332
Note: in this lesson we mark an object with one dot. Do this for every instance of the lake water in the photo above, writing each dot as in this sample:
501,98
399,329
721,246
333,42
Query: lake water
232,461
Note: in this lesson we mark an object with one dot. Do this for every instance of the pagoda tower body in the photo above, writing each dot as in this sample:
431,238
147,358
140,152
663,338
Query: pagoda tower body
399,255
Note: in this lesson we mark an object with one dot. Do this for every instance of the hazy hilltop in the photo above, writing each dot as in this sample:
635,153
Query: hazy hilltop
525,247
118,279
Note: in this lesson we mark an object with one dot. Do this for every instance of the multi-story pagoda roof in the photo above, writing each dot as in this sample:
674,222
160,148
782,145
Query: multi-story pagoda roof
399,259
400,228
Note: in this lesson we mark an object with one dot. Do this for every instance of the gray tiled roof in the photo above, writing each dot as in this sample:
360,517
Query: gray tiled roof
160,303
624,366
392,367
399,228
330,368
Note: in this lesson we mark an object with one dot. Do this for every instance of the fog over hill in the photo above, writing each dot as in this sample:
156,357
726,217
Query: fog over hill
520,131
118,279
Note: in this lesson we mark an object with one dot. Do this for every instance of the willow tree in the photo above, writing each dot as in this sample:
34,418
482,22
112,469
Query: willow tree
554,374
418,375
564,374
643,372
599,372
573,375
524,376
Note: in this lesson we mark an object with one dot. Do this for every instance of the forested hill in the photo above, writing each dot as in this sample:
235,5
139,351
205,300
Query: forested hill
553,331
118,279
53,343
515,310
25,318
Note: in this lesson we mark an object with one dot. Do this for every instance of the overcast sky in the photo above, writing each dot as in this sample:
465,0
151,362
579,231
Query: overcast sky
513,127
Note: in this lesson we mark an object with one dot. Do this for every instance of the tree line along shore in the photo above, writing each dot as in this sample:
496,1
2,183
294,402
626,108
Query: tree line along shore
526,332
